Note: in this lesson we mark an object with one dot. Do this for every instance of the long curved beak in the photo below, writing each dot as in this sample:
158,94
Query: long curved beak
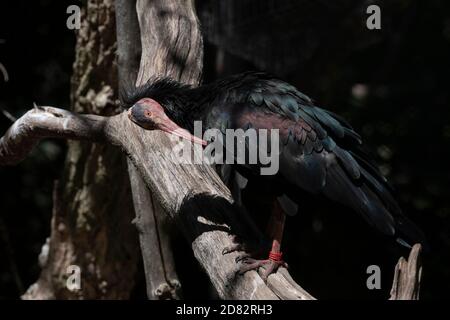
171,127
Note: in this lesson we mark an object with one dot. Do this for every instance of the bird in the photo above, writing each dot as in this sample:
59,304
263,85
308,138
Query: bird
320,154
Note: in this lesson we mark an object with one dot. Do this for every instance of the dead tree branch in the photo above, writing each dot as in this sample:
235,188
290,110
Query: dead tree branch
47,122
158,285
161,279
407,276
177,53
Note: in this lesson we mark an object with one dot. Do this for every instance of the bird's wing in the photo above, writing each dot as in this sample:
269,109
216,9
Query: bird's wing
319,152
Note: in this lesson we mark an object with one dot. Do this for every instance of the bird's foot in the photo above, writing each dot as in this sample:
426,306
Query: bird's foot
247,259
269,266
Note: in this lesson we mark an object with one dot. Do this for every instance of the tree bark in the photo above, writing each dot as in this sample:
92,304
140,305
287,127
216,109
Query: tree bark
152,223
407,276
172,47
92,210
154,234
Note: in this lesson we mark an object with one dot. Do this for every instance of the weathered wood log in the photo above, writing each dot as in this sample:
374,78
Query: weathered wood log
182,62
161,279
171,41
156,254
407,276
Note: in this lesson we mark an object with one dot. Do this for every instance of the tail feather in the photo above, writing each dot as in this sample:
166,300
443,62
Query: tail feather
360,198
374,202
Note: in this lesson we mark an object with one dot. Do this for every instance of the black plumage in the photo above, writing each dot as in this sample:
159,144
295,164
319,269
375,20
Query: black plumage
320,153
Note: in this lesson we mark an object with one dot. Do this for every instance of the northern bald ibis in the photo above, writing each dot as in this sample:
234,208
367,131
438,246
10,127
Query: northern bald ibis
320,153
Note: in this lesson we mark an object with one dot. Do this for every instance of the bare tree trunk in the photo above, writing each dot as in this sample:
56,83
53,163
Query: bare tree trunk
174,50
153,225
92,204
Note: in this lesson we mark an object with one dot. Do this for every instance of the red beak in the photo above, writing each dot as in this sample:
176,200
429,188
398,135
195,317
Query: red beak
171,127
150,115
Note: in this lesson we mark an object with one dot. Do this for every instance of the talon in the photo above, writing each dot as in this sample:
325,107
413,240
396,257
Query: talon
270,265
250,264
274,260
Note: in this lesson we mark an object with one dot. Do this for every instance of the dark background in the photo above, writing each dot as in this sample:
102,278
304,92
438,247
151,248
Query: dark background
391,84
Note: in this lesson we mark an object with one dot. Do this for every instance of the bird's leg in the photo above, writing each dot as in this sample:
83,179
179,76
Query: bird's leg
274,261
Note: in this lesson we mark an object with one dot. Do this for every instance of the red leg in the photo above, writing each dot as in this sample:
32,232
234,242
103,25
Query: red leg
275,230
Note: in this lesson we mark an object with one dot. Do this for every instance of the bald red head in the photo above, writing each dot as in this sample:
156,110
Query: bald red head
150,115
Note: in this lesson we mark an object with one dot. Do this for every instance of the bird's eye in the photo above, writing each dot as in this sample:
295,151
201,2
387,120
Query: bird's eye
148,114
